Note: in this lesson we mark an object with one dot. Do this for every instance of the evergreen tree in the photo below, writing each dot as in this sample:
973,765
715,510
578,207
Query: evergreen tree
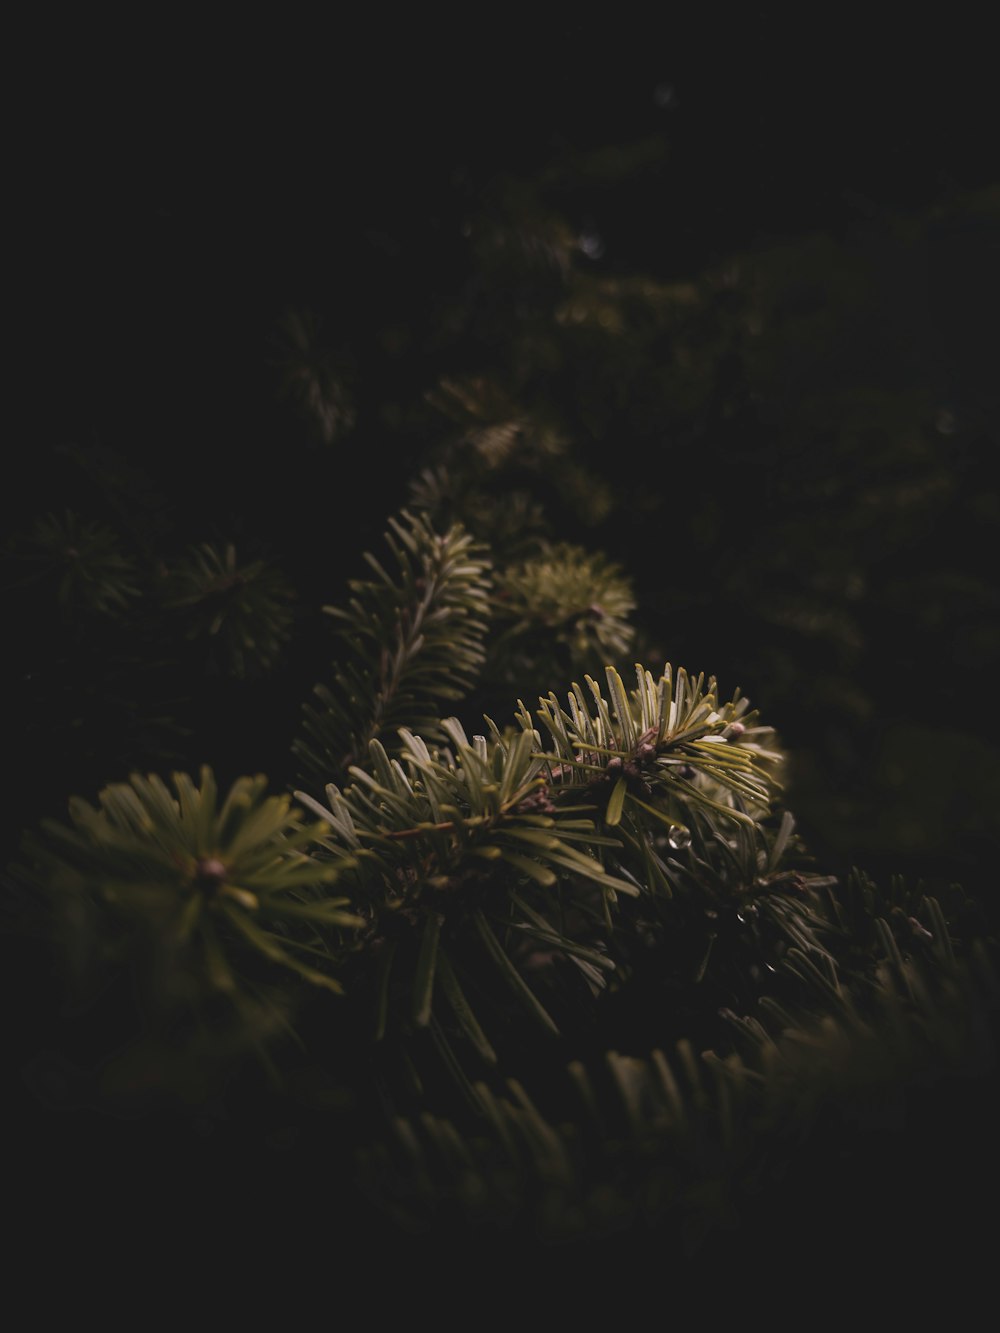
586,982
409,873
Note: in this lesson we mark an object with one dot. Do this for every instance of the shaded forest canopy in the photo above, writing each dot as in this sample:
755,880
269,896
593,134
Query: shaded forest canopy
780,292
729,322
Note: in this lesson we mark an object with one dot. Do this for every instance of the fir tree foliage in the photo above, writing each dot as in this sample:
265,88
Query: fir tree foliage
564,609
81,560
212,887
558,608
311,375
242,611
444,841
616,855
685,1142
466,853
609,991
411,639
512,524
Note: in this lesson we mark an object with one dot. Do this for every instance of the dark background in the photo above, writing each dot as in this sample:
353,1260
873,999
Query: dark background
171,204
171,207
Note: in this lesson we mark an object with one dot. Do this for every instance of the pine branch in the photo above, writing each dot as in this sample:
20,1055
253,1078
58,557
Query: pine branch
242,611
521,852
558,612
83,562
667,746
683,1144
461,833
410,641
208,887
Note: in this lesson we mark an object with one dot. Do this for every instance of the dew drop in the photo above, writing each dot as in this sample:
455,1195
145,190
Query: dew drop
678,837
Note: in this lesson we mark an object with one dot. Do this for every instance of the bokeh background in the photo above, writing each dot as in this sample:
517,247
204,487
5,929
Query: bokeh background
718,302
716,296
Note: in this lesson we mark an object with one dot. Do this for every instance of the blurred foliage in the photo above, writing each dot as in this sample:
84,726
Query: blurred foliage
787,425
240,612
82,563
311,377
655,1144
783,454
202,901
559,614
